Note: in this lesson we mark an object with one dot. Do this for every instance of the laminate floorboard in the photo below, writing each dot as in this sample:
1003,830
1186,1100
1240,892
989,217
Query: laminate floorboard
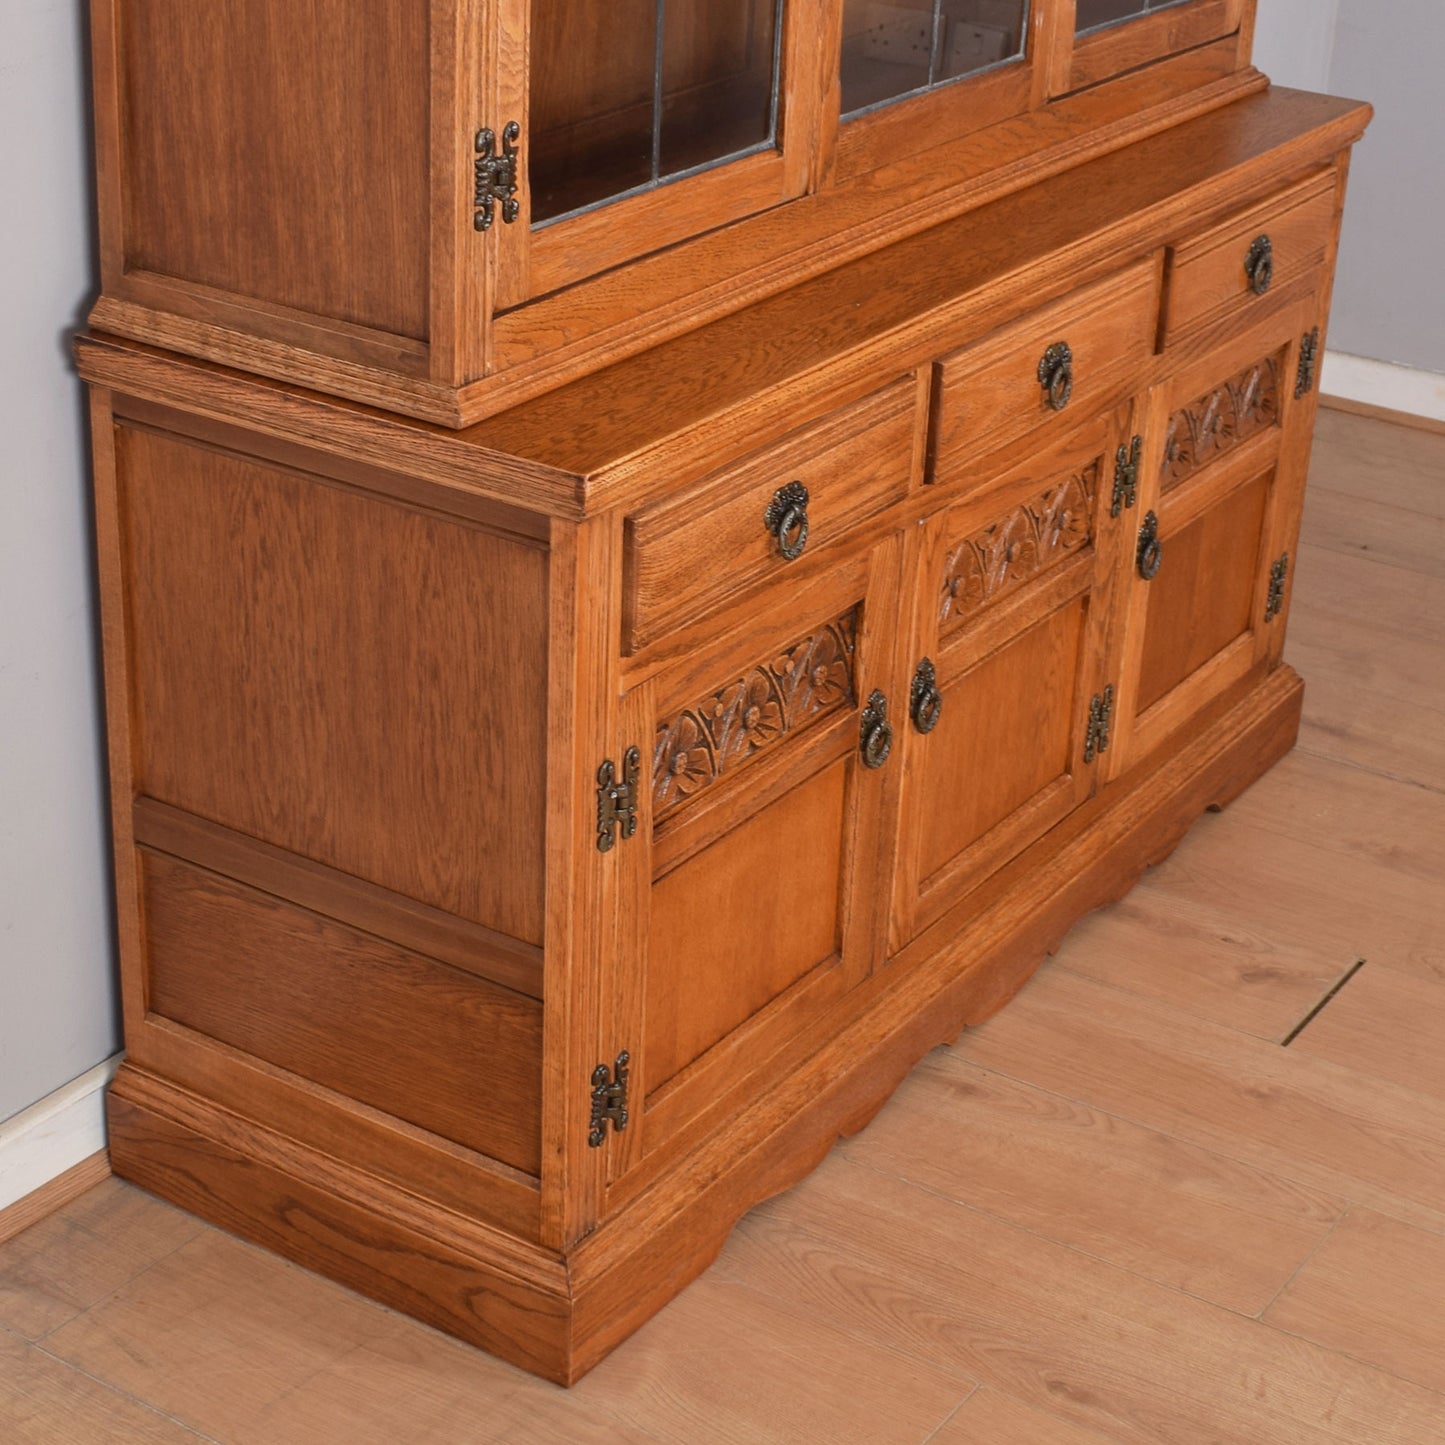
1122,1212
1384,1024
1374,1292
990,1418
1119,1191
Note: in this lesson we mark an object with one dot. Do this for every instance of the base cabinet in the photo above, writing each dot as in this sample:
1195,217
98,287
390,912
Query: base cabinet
537,842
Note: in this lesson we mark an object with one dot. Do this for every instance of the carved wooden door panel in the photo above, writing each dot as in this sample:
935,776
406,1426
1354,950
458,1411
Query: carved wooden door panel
764,762
1217,508
1012,664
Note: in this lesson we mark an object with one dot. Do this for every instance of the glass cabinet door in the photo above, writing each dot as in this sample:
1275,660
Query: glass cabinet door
895,56
1095,14
896,48
1115,36
646,121
628,96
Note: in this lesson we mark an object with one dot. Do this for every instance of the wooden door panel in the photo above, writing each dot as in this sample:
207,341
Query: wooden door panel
736,925
761,817
1004,737
1203,596
1014,612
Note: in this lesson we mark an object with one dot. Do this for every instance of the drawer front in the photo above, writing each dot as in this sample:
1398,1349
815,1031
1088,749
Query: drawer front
1234,266
1041,374
764,516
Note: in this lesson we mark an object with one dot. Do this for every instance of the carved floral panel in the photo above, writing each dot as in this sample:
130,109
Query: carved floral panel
1217,422
808,680
1009,552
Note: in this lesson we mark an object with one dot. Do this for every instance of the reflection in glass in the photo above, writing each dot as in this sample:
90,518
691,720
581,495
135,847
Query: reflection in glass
1095,14
630,94
893,48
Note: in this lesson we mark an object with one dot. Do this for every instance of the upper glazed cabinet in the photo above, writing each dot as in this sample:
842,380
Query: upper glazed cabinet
442,206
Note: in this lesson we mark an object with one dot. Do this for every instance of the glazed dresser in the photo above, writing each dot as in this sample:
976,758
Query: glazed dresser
655,556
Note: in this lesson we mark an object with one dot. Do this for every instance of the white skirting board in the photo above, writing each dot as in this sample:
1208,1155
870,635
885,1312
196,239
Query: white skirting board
42,1142
1379,383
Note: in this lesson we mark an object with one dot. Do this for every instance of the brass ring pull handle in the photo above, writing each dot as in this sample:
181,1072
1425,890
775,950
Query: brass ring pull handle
876,734
1259,265
1151,549
925,703
787,519
1056,375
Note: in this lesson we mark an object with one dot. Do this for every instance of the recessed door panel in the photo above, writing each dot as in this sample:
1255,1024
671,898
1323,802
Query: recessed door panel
1004,735
1203,596
739,923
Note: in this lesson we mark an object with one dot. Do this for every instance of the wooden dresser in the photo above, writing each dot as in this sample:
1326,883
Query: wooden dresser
640,597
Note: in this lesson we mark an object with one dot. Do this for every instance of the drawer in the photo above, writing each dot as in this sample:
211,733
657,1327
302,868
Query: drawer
1040,374
762,516
1232,267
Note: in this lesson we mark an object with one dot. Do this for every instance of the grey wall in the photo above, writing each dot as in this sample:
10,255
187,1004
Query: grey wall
1389,298
57,1002
1294,41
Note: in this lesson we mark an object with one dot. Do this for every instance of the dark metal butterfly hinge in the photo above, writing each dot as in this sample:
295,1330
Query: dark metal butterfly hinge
1101,718
1309,357
609,1100
496,176
1274,601
1126,476
617,800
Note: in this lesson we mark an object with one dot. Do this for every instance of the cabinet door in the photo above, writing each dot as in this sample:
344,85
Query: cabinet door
1217,505
1111,37
755,856
1014,633
640,123
916,73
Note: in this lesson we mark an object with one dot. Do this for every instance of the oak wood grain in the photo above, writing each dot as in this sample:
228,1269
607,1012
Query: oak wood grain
1208,280
395,759
405,1034
269,92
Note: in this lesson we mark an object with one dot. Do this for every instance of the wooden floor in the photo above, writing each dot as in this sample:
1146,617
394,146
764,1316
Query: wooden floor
1166,1197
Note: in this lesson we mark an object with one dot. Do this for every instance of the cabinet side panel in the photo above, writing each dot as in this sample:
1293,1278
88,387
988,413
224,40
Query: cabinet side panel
359,682
395,1030
279,151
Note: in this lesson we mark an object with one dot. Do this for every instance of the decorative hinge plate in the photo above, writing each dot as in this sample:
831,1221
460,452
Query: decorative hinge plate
1278,575
496,176
617,800
1101,718
609,1099
1126,475
1309,357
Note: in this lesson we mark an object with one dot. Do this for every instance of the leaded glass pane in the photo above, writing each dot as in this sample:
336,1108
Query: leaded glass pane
895,48
637,92
1096,14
